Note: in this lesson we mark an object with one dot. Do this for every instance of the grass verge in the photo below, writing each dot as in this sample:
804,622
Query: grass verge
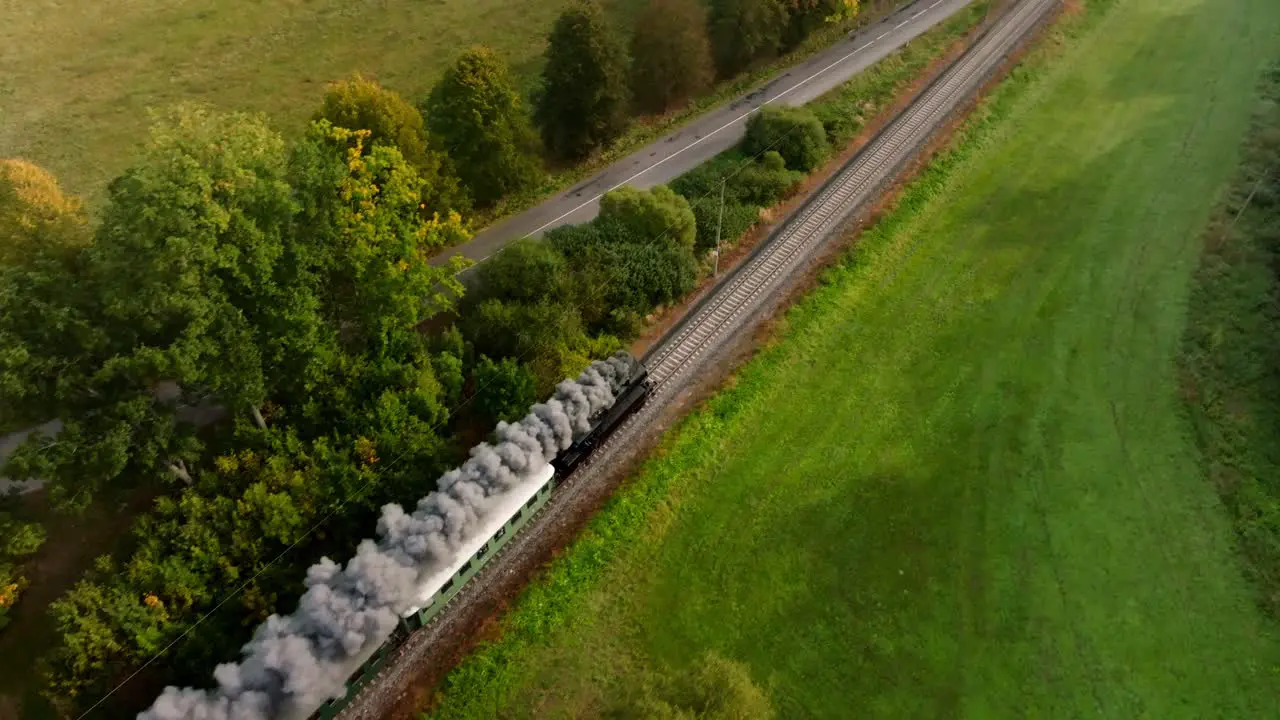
959,484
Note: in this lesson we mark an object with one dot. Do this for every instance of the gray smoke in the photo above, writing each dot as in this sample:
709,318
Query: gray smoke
295,663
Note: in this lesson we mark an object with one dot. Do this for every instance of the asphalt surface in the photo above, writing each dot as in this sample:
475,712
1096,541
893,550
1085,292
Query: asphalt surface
667,158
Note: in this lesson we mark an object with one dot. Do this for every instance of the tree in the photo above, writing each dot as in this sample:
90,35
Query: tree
670,55
220,533
43,234
743,31
371,250
583,101
805,16
505,390
189,281
795,133
654,215
17,540
362,104
477,114
36,218
549,337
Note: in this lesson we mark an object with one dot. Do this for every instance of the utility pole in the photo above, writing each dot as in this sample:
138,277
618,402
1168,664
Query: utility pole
719,222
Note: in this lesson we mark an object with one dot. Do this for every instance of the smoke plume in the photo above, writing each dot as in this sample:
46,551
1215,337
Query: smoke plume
295,663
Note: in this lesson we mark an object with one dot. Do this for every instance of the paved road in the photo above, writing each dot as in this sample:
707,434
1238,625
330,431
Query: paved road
717,131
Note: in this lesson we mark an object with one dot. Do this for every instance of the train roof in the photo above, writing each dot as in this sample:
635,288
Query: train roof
507,506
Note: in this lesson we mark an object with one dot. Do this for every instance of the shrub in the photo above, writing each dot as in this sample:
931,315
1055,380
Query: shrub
795,133
622,274
764,183
583,101
527,270
362,104
743,31
737,219
477,113
650,214
704,180
670,55
714,688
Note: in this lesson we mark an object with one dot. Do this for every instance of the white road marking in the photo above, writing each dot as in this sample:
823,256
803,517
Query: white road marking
708,135
904,22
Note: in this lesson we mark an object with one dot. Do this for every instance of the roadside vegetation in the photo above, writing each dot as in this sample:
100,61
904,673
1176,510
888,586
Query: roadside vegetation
1231,377
962,481
240,332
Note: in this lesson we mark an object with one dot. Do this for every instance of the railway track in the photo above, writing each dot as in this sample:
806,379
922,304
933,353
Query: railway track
727,308
723,311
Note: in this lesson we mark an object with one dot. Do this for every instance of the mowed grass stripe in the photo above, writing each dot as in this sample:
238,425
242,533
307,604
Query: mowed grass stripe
961,483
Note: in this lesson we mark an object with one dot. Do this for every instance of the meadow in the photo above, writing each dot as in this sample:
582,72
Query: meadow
76,82
78,86
962,482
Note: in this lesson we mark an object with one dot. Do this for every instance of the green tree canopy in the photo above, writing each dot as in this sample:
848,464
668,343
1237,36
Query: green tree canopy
583,102
43,330
805,16
654,215
359,103
478,115
744,31
189,281
670,55
505,390
370,248
526,270
36,218
795,133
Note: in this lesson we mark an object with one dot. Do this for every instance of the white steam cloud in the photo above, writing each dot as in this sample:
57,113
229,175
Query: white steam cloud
295,663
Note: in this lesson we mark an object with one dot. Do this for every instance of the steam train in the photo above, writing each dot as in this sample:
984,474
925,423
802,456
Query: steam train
437,590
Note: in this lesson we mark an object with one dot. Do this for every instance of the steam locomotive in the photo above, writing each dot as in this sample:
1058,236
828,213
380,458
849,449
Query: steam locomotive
437,590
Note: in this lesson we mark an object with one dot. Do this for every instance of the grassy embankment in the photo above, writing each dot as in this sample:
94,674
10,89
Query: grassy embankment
75,86
961,482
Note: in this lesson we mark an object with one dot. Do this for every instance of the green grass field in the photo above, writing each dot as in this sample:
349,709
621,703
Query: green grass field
76,80
962,482
77,84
